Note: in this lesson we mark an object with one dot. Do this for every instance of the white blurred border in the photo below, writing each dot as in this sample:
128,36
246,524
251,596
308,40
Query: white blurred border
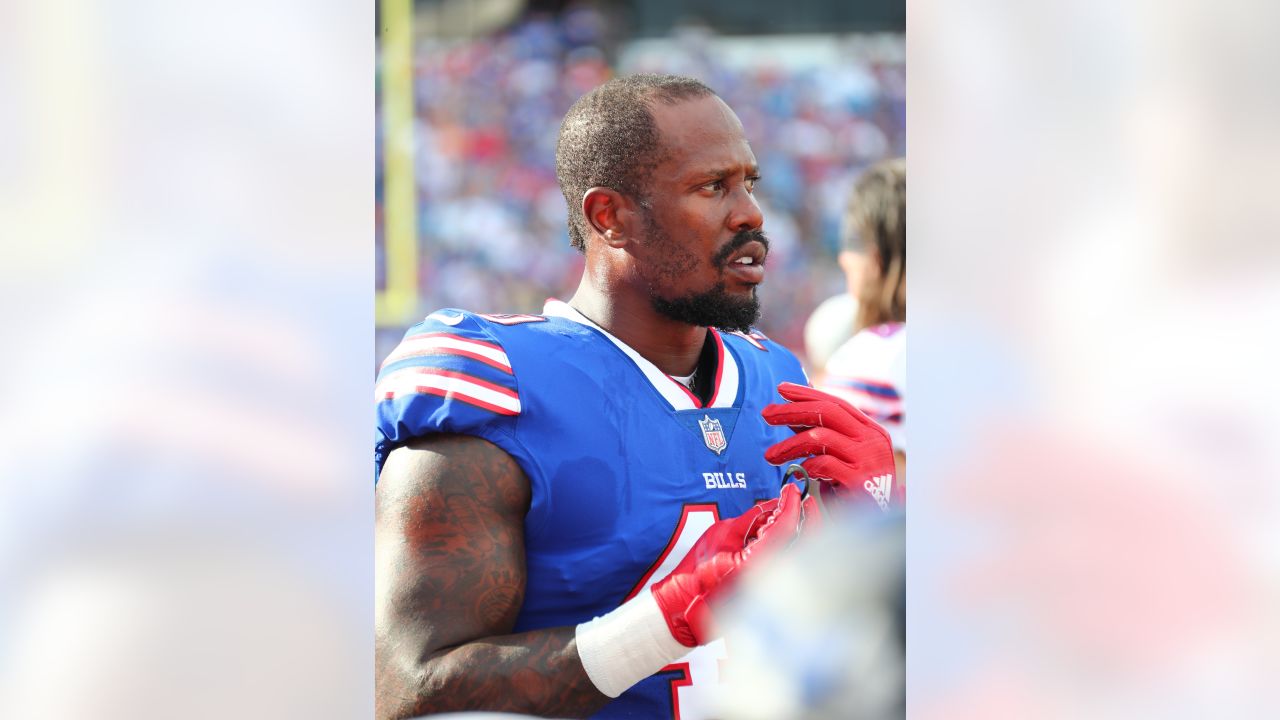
1094,302
186,204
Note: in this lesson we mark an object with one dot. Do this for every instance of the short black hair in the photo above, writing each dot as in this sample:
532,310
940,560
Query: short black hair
609,139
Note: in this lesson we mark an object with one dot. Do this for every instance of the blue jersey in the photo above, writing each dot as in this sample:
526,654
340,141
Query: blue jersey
627,468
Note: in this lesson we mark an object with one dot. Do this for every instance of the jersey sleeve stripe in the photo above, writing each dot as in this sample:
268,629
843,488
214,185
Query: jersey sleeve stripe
870,404
413,373
450,393
482,343
448,384
878,390
446,344
887,414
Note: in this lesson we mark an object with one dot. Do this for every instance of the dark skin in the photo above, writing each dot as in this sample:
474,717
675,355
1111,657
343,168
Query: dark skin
701,195
450,572
449,523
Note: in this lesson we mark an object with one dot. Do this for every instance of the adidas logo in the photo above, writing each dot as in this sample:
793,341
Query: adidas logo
879,487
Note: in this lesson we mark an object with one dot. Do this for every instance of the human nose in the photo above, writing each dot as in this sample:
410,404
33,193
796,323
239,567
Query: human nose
746,213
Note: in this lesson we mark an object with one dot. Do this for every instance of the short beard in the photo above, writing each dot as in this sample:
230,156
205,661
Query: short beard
713,308
710,308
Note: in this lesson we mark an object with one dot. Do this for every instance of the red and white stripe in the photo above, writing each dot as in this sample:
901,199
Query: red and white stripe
448,344
726,376
877,408
448,384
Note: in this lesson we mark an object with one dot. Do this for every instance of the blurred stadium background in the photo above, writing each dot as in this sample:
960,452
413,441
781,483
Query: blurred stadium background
470,98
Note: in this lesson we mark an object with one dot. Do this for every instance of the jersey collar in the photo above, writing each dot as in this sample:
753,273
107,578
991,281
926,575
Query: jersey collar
676,395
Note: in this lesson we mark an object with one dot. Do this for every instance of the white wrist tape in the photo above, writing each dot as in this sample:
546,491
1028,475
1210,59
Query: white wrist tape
627,645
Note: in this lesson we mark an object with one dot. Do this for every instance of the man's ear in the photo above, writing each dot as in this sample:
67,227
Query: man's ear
609,215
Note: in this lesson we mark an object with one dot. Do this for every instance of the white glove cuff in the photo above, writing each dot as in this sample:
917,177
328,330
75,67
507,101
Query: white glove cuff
627,645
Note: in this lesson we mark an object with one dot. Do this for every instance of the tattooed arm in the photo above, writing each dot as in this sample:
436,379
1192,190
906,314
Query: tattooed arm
450,577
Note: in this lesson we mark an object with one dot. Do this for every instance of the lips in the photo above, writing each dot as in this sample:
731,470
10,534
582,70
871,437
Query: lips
747,264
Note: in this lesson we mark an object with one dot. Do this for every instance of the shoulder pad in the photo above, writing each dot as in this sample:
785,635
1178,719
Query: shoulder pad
450,360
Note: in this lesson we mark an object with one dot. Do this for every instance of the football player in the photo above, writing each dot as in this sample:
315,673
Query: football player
562,497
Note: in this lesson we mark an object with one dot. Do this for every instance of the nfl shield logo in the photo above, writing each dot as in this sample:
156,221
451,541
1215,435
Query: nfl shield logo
712,434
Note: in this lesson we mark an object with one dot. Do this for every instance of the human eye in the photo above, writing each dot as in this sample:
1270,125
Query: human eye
714,186
751,182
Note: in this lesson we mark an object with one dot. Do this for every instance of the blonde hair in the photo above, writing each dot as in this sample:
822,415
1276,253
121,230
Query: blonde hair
876,224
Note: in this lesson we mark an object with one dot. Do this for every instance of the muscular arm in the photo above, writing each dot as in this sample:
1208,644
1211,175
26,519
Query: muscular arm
450,578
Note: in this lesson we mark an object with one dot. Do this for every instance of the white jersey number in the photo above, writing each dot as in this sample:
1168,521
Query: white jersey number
695,676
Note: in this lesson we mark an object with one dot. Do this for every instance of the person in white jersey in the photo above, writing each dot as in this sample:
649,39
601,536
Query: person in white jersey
870,369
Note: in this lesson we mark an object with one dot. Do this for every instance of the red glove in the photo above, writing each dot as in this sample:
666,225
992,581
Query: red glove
850,452
718,557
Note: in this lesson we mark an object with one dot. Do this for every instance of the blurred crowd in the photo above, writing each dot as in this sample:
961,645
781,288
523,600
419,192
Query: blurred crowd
490,216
